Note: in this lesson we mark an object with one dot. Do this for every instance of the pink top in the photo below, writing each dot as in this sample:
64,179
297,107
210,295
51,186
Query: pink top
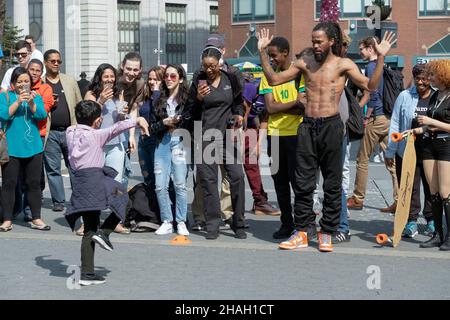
86,143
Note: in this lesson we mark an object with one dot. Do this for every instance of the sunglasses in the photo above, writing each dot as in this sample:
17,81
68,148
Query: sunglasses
21,54
55,62
213,67
171,76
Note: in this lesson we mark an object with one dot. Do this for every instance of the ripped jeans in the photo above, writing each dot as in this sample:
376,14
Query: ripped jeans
170,161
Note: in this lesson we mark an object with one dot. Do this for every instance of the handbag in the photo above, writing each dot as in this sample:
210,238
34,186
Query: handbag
4,156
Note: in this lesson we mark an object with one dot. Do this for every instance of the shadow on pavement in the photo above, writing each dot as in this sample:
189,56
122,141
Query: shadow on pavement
263,229
58,269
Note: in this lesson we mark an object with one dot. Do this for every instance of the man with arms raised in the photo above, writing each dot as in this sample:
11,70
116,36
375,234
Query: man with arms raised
321,133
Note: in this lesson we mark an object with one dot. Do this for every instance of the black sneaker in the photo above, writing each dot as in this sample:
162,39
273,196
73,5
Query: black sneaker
239,233
283,233
212,235
103,240
434,242
229,222
88,279
199,226
339,237
445,246
58,207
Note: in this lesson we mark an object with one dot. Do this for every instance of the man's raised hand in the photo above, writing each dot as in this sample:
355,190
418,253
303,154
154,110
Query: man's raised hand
263,39
386,44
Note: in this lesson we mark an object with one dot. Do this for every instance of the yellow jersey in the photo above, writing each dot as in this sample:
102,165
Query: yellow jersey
282,124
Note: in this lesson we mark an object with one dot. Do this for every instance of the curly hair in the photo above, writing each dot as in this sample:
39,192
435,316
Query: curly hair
441,70
333,31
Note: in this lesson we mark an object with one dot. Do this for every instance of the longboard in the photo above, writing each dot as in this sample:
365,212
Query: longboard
405,191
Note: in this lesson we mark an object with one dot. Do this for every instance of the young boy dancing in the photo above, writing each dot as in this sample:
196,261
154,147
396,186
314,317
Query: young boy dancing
94,188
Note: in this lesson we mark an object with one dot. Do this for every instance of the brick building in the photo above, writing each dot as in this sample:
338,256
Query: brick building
423,26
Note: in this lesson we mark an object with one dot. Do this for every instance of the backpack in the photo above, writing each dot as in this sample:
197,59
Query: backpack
393,85
355,124
142,209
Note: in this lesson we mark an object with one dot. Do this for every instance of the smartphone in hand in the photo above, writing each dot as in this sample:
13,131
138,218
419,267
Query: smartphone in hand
202,83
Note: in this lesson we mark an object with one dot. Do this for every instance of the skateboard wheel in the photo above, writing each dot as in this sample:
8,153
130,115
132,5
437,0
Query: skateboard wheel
382,238
396,137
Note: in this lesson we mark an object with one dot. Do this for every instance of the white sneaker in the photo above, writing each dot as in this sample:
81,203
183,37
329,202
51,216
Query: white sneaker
376,159
165,228
182,229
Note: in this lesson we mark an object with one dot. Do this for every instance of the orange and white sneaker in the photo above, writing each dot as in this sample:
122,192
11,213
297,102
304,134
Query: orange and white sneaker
298,239
325,244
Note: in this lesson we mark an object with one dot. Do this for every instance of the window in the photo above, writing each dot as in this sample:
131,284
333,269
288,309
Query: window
176,33
129,33
35,12
251,10
441,47
351,8
213,19
434,7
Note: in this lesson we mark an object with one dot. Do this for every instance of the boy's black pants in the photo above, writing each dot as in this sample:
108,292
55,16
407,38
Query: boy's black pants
91,221
319,144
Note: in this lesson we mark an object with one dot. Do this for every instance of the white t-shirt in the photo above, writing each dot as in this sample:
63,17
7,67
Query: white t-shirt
171,107
6,83
37,55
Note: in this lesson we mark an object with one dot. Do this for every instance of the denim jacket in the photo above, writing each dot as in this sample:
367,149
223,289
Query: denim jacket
401,120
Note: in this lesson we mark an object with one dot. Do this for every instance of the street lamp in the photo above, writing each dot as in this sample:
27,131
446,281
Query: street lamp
158,50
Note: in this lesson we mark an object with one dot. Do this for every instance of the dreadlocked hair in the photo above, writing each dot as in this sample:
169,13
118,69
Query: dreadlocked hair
333,31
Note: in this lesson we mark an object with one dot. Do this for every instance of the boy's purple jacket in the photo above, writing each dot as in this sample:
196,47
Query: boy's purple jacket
93,185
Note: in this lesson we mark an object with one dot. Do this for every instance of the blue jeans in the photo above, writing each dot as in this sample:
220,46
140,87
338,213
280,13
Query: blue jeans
115,158
146,153
170,161
56,148
343,224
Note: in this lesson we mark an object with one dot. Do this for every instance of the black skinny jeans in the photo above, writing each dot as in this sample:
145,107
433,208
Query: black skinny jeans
283,175
419,175
91,221
30,168
319,144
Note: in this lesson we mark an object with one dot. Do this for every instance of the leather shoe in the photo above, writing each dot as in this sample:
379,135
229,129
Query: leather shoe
354,204
390,209
262,209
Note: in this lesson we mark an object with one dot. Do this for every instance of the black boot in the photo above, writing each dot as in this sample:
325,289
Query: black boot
438,237
446,245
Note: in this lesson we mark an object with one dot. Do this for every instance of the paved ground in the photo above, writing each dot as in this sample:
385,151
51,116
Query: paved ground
36,265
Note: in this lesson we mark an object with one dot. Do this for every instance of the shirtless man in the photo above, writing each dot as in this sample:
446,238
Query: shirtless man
321,133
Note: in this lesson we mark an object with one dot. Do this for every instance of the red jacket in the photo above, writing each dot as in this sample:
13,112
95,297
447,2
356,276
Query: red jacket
46,92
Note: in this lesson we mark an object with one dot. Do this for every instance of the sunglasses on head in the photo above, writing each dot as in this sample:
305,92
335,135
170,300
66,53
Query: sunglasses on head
21,54
171,76
55,62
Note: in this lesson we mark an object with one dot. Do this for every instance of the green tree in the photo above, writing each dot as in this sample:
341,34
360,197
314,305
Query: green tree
2,18
11,35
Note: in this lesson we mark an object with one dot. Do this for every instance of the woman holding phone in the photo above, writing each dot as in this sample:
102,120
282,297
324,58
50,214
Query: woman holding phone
20,112
170,113
218,95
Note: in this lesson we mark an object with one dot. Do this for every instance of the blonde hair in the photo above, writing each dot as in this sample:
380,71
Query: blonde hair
346,40
441,70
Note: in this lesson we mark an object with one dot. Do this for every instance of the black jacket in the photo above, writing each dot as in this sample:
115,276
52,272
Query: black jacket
237,83
94,189
158,114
